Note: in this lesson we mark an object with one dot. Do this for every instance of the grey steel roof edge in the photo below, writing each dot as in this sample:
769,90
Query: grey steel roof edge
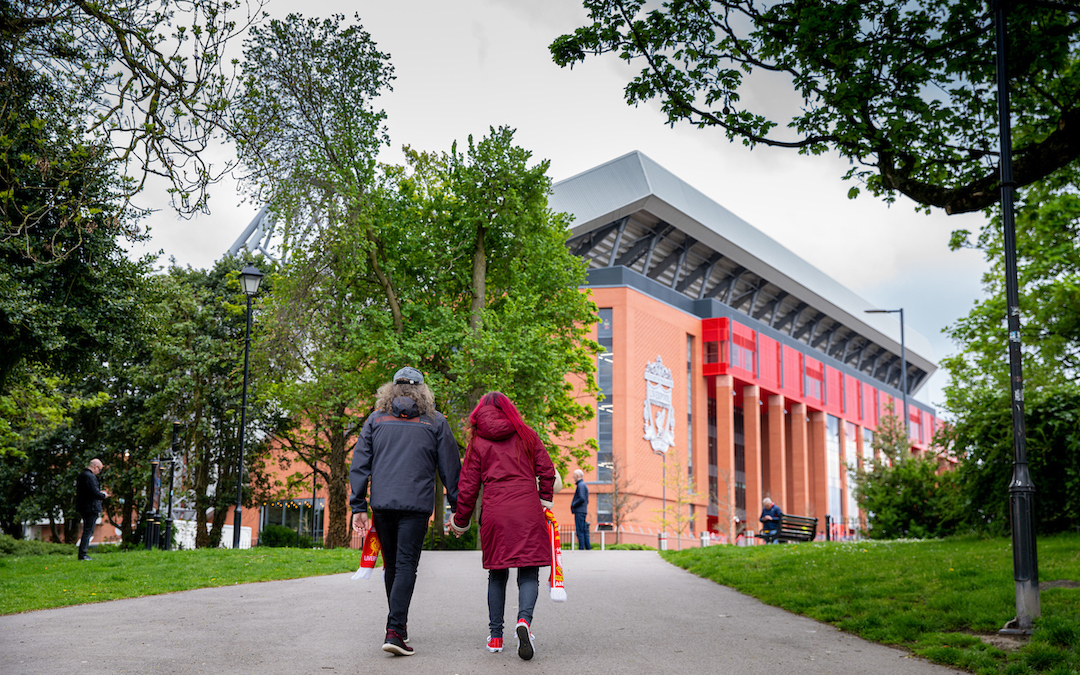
777,277
750,242
624,277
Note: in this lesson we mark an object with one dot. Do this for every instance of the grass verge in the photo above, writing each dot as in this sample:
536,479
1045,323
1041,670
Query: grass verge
31,582
937,598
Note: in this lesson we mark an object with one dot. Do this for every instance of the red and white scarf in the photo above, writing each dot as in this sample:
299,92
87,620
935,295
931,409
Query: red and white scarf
369,555
558,589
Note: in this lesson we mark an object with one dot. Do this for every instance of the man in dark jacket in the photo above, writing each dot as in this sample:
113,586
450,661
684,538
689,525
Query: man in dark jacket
402,445
770,520
88,496
579,506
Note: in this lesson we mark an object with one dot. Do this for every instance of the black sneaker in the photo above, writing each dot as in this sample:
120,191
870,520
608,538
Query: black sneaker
395,644
86,558
525,640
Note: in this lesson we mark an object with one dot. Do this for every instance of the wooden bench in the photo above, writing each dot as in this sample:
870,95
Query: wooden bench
792,528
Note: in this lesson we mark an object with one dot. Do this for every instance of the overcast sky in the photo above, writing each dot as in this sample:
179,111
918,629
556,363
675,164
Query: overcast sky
464,66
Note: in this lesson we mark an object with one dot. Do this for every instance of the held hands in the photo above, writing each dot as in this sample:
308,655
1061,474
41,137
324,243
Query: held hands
360,523
455,530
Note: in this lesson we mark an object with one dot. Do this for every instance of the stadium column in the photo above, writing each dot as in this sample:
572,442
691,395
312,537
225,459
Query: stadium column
819,473
725,454
845,484
776,481
799,475
752,454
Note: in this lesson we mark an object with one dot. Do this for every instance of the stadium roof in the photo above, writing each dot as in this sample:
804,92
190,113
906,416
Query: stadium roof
632,212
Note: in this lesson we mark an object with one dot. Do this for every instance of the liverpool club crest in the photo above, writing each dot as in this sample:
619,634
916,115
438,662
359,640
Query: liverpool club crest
659,414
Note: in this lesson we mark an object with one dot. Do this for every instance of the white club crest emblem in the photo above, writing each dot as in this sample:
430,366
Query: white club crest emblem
659,414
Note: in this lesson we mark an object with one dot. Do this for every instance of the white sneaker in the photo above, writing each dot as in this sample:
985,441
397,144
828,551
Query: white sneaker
525,640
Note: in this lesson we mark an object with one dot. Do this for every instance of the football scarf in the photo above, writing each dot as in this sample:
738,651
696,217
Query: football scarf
558,589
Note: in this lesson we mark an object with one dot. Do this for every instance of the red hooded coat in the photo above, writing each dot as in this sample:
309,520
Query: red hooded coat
513,530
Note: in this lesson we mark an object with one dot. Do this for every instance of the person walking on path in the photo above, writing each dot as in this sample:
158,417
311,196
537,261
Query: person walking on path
579,506
507,457
404,442
88,496
770,519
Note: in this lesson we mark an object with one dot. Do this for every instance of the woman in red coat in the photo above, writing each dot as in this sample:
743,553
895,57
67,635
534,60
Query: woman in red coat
506,456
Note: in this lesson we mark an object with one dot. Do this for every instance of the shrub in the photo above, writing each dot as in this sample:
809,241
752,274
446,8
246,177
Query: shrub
10,546
279,536
909,499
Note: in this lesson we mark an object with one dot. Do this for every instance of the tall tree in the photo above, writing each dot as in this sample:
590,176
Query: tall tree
308,134
453,264
904,90
141,84
892,442
1048,271
507,313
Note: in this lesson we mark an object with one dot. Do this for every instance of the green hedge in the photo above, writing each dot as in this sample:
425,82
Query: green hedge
279,536
19,547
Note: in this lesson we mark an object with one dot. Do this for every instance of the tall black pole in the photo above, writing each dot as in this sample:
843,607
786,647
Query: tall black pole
172,475
243,425
903,377
314,488
1021,489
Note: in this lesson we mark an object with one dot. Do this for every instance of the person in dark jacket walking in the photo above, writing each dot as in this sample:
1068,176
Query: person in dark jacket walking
88,496
507,457
404,442
579,506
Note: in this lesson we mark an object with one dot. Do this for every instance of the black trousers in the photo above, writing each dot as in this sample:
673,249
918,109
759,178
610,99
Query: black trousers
401,535
89,520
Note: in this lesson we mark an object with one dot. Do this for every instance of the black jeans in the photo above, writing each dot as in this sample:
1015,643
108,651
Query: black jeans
401,535
528,582
89,520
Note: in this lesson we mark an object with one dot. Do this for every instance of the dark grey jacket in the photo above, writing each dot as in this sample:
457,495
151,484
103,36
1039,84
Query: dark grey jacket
88,494
398,454
580,502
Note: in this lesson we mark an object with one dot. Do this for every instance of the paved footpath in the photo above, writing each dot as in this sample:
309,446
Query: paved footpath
628,612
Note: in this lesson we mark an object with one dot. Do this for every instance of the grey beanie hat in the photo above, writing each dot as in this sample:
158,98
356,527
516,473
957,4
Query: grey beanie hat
408,375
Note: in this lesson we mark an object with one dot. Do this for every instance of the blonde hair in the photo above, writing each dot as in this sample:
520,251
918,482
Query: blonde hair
425,400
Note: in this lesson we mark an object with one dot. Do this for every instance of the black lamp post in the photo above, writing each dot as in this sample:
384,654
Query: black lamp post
167,545
1021,487
250,278
903,360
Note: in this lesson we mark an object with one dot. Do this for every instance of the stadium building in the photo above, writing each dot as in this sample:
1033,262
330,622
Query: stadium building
732,370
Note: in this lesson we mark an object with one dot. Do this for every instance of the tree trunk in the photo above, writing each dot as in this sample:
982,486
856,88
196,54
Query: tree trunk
337,534
479,282
387,286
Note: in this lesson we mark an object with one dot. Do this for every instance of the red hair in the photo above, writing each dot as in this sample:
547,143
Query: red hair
528,439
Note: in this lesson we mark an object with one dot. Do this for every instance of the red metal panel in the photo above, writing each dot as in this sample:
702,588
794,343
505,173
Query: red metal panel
834,393
714,340
815,381
743,351
768,363
851,399
793,369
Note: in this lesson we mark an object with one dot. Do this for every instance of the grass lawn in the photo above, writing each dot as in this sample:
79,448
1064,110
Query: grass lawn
934,597
32,582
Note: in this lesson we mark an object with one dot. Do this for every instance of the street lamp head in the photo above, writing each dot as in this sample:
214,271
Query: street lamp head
250,278
881,311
